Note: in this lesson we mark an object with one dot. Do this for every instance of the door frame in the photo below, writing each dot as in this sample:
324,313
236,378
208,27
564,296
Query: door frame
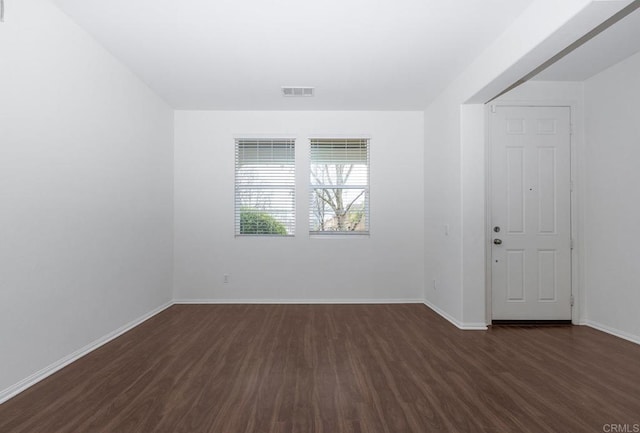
576,137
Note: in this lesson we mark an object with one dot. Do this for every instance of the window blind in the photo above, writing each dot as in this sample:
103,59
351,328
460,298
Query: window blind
265,187
339,186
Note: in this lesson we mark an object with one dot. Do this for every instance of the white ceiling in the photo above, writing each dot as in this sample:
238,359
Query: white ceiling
606,49
236,54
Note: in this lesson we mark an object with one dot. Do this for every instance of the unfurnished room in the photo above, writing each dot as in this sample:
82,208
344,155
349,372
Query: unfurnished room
293,216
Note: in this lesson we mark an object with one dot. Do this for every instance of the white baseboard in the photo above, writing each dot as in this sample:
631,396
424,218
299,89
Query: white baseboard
36,377
613,331
460,325
298,301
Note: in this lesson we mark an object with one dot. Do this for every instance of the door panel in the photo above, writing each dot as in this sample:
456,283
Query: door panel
515,188
515,275
546,190
531,202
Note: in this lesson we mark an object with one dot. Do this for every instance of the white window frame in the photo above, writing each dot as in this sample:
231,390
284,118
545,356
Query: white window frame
366,187
288,183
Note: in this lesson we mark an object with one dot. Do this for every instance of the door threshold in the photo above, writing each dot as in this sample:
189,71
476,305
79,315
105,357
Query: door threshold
531,322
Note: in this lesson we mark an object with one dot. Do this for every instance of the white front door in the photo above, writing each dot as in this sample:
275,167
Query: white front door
531,213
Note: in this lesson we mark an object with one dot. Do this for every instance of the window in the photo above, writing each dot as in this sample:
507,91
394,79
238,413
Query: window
339,190
265,187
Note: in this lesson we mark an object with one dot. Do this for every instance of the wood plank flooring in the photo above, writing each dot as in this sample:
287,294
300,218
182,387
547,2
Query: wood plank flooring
335,369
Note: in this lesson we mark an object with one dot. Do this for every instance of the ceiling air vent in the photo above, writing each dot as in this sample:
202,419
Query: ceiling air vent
297,91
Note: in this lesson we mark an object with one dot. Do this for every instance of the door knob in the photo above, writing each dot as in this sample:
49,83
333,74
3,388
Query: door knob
497,241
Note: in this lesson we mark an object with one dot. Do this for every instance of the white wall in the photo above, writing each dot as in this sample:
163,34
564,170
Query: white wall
85,192
443,233
612,216
388,265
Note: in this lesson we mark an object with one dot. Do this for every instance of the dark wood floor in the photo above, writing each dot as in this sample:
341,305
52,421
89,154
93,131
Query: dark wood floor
335,369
